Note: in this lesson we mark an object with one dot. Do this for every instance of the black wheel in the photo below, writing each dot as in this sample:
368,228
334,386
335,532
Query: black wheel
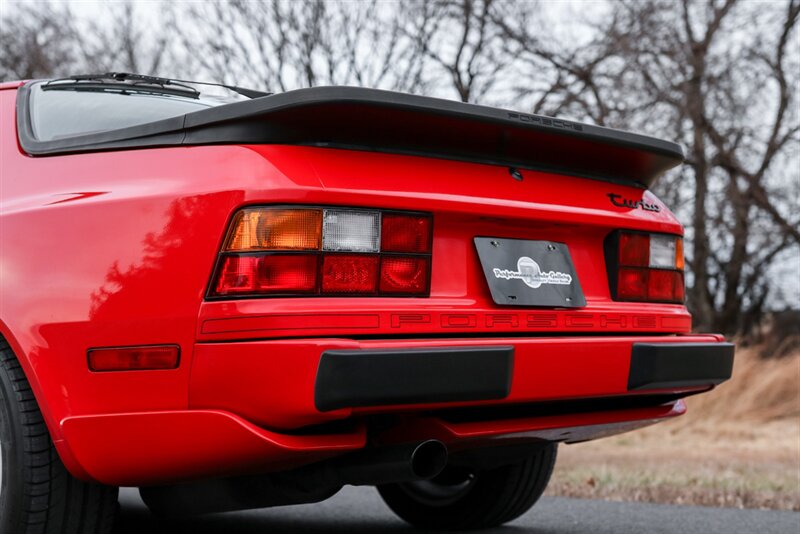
462,498
37,494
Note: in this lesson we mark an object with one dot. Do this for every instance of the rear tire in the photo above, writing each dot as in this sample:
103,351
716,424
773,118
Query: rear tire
37,494
466,499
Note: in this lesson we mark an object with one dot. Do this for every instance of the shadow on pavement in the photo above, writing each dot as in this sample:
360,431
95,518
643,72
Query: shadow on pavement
141,522
359,510
363,515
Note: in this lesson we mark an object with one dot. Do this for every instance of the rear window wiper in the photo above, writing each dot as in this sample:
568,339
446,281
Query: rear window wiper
122,81
140,83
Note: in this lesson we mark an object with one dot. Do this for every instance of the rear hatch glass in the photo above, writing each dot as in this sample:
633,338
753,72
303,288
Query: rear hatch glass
59,114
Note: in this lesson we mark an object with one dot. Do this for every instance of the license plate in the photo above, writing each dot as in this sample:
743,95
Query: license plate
529,273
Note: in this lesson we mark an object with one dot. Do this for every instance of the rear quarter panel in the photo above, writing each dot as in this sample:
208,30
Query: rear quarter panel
111,249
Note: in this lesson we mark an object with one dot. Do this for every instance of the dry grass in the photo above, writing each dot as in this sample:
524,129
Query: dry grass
760,391
737,446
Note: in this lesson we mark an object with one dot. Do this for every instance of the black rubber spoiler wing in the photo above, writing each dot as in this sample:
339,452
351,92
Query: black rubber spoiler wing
384,121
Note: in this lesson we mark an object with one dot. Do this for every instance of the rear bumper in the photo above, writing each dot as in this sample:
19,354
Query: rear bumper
291,384
258,406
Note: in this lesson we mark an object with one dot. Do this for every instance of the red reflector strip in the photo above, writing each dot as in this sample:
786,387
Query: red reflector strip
405,233
349,273
404,275
148,358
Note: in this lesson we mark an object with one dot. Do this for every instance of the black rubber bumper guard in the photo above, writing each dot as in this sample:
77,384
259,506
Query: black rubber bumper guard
678,365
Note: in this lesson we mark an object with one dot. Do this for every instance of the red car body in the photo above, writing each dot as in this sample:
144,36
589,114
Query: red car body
116,247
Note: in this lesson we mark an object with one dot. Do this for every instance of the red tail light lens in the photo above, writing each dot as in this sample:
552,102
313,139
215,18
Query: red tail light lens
349,273
661,285
406,233
645,267
237,275
634,250
293,273
632,284
147,358
404,275
277,273
299,251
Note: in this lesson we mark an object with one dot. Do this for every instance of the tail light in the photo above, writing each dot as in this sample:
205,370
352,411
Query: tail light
305,251
645,267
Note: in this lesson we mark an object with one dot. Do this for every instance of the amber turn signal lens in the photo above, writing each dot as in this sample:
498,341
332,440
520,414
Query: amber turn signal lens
275,229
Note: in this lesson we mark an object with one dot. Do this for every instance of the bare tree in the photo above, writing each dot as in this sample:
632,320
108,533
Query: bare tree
282,45
123,40
444,47
720,76
557,73
46,40
37,41
462,41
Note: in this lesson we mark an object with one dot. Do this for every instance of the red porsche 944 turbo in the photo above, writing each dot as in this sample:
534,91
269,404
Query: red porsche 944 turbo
232,299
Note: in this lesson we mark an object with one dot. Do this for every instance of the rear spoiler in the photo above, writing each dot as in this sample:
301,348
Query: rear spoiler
383,121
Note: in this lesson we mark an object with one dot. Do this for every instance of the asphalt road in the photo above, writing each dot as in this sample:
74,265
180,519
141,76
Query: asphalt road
357,510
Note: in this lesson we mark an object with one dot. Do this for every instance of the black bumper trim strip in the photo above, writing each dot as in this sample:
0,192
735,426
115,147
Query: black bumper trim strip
360,378
673,365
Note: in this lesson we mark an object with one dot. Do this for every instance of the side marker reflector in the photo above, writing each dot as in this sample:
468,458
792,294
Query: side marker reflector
144,358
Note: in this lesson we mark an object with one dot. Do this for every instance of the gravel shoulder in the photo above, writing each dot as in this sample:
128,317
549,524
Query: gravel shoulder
734,466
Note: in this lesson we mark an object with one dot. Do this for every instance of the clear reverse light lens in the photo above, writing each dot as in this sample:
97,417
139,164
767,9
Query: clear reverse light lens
662,251
351,230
